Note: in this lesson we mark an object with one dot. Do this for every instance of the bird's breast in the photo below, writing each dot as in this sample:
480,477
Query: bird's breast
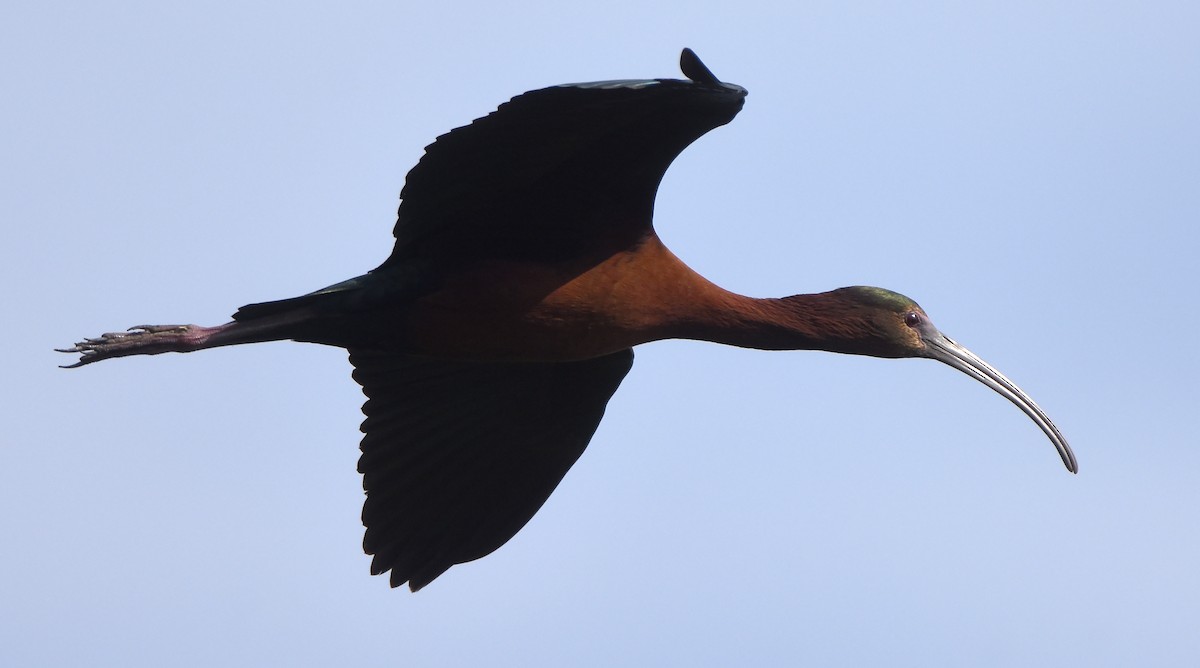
506,310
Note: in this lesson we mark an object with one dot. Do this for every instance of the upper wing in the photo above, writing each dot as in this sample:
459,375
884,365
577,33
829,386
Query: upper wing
552,170
458,456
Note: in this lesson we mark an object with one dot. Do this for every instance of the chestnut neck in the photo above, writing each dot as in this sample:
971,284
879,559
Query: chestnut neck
829,321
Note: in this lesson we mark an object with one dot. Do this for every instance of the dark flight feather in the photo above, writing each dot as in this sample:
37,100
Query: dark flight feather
458,456
554,170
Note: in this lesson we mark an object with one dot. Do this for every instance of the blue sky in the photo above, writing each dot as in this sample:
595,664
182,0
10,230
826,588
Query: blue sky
1027,171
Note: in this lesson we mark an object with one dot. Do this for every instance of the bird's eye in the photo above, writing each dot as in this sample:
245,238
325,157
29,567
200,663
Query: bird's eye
912,318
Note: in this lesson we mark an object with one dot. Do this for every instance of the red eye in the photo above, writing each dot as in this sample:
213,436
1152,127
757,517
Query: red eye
912,318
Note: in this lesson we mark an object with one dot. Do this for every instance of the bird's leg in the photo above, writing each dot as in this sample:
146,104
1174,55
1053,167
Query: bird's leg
150,340
155,339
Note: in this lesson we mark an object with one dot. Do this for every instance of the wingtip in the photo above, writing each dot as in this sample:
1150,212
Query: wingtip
694,68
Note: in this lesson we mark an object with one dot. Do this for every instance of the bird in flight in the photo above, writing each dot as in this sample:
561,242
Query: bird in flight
526,267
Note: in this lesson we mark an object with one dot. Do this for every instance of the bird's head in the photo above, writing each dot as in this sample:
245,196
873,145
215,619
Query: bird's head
897,327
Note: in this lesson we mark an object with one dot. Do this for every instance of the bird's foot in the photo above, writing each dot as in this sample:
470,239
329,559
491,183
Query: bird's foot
140,340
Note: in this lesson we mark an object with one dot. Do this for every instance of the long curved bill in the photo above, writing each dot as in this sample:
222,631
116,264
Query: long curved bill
942,348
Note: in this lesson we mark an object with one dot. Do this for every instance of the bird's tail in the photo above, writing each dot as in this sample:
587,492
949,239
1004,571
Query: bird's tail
339,297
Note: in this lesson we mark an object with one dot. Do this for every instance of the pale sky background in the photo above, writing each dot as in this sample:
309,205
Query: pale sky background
1028,172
